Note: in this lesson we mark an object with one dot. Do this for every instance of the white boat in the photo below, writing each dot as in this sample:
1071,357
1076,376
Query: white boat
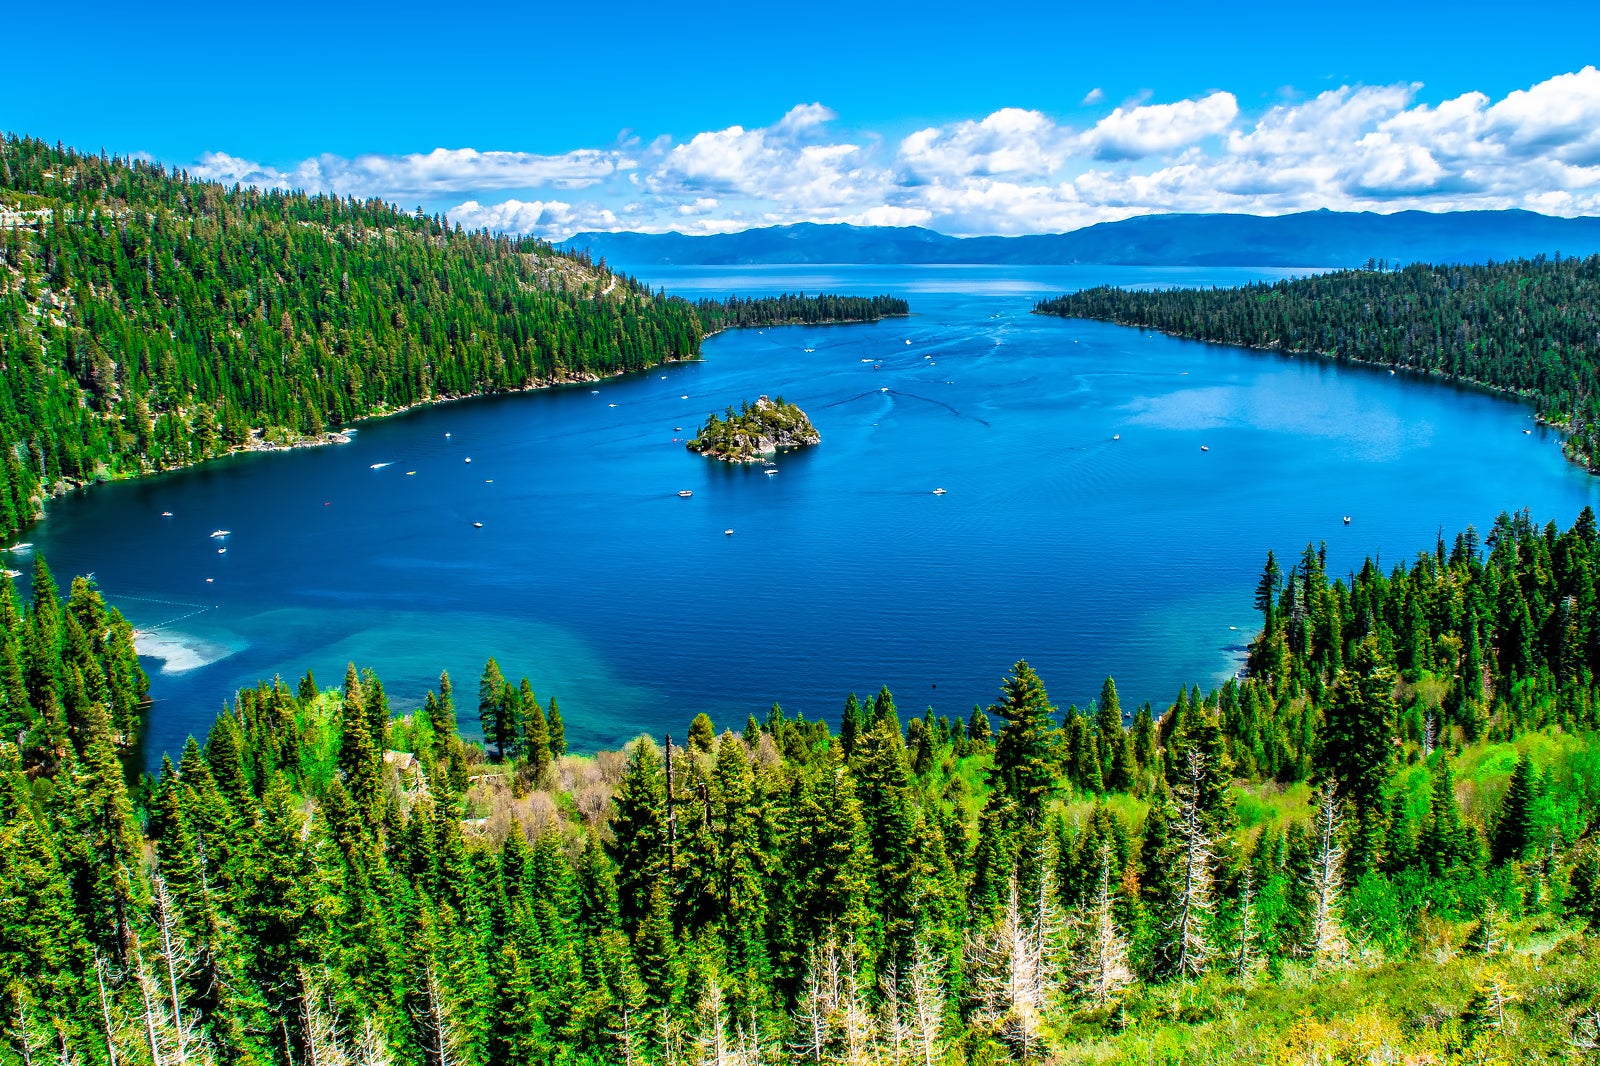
727,532
1346,519
1204,448
380,466
477,525
908,342
166,514
20,546
685,396
611,405
219,532
771,473
866,360
222,551
938,492
469,459
13,573
685,493
884,389
411,473
1116,436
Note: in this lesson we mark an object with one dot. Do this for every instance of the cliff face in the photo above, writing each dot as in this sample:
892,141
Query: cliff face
757,429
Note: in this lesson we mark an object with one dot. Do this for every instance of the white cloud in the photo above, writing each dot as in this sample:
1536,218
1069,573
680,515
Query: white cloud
1018,170
1092,97
443,170
1155,129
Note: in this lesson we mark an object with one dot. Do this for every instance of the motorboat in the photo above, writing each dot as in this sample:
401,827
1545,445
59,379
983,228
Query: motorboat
166,514
728,532
685,493
477,525
219,532
1204,448
938,492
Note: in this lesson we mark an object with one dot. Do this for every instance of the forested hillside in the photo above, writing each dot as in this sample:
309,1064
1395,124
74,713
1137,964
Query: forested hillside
796,309
1377,846
1530,327
148,320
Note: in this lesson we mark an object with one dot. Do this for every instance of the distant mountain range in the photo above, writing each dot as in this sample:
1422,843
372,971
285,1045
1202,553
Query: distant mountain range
1312,238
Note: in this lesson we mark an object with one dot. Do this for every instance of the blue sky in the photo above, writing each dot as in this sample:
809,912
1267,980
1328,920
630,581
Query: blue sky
1011,118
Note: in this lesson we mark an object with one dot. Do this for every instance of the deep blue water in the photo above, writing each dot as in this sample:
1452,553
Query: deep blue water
1085,554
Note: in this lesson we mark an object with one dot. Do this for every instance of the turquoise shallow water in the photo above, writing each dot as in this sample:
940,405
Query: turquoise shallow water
1054,541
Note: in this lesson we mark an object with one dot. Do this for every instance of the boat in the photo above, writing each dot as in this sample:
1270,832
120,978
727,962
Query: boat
611,405
728,532
477,525
1116,436
938,492
685,396
685,493
469,459
810,350
380,466
908,342
1204,448
219,532
1346,519
166,514
411,473
20,546
209,580
222,551
1527,431
884,389
677,429
866,360
13,573
770,473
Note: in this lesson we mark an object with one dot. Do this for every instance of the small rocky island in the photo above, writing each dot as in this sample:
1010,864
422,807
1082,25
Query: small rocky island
757,429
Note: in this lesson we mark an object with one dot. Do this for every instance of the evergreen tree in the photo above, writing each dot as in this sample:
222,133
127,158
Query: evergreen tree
1025,751
1514,829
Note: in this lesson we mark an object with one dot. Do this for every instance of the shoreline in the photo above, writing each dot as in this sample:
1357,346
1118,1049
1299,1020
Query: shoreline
258,446
1341,360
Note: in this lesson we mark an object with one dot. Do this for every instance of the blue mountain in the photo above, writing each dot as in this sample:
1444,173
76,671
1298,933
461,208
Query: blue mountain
1312,238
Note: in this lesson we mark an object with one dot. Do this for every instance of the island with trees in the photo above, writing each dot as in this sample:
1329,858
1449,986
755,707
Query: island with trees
1525,328
755,430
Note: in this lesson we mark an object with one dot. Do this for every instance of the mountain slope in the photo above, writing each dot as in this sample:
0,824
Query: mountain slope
148,320
1313,238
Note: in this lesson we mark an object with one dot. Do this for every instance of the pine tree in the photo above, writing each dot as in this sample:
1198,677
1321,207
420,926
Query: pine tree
360,762
490,706
1514,833
558,730
1025,751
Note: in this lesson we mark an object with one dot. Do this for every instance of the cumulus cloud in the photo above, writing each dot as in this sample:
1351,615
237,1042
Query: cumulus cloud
443,170
1154,129
1019,170
1093,96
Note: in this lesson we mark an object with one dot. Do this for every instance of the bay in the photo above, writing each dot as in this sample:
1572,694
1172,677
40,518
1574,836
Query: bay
1082,525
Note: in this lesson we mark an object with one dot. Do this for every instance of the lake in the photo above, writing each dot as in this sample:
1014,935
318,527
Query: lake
1082,527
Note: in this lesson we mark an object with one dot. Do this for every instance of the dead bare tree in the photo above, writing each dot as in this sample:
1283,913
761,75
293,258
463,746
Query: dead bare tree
1013,977
1325,940
1191,944
1246,952
927,1002
1102,969
322,1037
435,1019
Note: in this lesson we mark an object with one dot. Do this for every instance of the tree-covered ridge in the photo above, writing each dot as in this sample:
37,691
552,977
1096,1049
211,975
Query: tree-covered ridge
148,320
1329,860
1530,327
756,429
797,309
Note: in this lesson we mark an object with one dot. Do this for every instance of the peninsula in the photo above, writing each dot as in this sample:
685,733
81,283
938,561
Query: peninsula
755,430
